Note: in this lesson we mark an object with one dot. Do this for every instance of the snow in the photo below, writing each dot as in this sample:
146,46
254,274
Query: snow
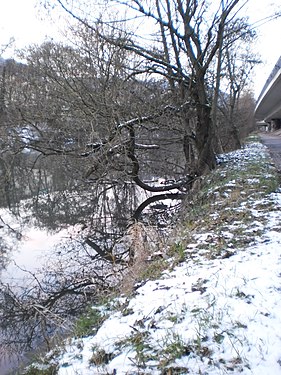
250,326
207,315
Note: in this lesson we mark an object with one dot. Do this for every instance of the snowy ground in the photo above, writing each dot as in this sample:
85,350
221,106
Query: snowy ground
216,312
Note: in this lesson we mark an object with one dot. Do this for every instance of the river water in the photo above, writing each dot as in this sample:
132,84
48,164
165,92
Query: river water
27,254
36,246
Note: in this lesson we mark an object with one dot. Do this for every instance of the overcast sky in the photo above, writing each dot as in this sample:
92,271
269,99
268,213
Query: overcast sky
23,20
19,19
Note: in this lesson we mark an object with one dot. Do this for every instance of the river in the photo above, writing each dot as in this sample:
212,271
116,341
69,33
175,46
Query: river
28,254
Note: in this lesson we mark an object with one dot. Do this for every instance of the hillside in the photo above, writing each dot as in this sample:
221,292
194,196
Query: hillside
210,302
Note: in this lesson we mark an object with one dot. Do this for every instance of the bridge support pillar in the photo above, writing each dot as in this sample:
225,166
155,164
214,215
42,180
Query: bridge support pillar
276,124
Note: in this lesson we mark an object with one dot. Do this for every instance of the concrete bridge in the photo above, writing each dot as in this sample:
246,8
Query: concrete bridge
268,107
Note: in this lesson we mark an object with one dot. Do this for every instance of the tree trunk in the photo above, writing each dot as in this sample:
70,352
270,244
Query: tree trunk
204,132
204,137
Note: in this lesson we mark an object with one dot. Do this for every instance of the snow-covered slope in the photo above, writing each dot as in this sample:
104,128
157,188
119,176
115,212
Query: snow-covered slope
216,308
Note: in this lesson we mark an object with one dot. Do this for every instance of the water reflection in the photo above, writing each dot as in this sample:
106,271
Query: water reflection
26,255
35,248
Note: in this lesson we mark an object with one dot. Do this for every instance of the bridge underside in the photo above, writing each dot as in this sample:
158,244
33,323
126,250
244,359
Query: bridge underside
268,106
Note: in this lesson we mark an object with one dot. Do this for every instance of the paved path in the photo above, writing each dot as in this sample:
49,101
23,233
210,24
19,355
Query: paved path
273,142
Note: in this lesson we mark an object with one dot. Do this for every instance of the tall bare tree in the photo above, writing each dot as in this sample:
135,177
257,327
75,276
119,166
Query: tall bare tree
189,38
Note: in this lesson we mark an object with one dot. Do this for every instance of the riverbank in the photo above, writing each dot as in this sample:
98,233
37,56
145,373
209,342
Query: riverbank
210,304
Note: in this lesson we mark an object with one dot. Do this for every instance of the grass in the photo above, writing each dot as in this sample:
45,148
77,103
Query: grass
173,347
40,369
177,251
139,344
100,357
89,322
153,270
224,200
223,204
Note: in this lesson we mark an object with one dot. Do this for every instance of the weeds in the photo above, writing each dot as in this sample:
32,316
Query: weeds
153,270
100,357
178,252
173,347
89,322
222,204
42,369
138,343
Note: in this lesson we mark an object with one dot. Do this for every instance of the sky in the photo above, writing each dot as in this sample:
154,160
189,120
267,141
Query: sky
21,20
27,23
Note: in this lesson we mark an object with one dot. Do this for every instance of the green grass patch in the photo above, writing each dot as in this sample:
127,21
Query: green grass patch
89,322
153,270
41,369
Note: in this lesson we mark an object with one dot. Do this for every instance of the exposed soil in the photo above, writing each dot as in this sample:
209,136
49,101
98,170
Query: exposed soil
273,142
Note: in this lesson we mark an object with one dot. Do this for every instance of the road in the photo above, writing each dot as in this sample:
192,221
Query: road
273,142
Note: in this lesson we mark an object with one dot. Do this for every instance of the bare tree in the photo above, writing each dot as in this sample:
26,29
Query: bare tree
82,117
112,125
91,164
188,41
236,66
